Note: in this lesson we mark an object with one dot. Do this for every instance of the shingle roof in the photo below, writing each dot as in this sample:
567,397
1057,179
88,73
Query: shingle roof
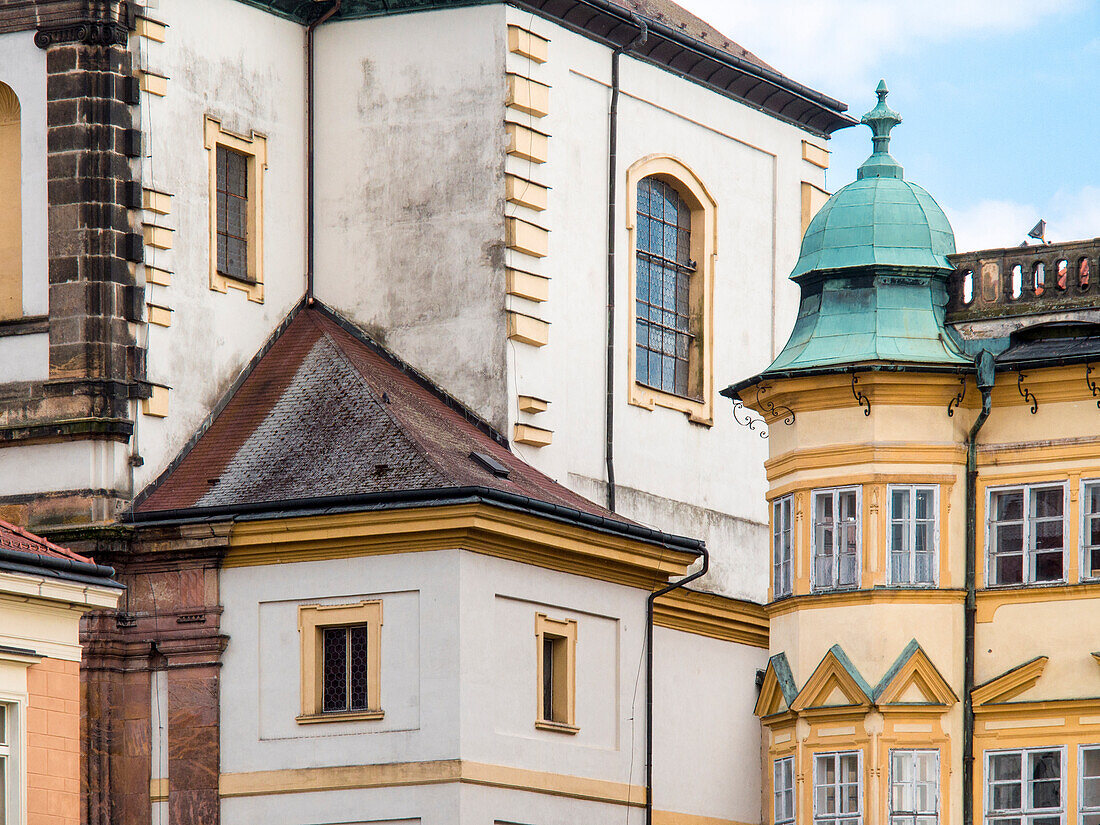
13,537
328,413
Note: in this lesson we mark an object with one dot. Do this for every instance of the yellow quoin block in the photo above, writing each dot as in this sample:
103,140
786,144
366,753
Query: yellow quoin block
153,200
529,330
161,316
528,44
817,155
527,285
156,405
813,198
527,238
528,96
531,404
151,29
159,237
526,192
158,276
153,83
533,436
526,143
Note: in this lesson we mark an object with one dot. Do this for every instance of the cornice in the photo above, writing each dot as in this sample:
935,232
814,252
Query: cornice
708,614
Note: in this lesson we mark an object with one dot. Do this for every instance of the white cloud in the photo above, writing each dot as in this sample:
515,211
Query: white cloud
1071,215
836,44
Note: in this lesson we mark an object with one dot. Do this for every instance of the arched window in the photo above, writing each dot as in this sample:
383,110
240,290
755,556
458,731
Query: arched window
663,288
11,211
672,225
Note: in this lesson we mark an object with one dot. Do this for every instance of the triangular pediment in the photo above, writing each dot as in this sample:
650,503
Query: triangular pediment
835,683
1010,684
914,680
777,691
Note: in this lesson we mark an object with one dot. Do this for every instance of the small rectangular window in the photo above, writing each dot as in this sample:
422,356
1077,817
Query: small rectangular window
1090,785
232,212
1027,534
345,668
838,789
836,538
1025,787
1090,534
782,548
914,787
341,661
783,791
913,535
557,646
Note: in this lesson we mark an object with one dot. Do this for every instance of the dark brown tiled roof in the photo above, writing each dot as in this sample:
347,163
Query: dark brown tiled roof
16,538
677,17
325,413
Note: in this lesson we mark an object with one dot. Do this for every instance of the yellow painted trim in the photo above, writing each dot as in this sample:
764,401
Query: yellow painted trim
528,44
674,818
533,436
151,29
255,148
156,405
158,237
564,673
989,601
704,251
850,598
813,198
1048,452
158,276
526,193
527,143
478,528
528,329
153,83
11,205
158,789
527,95
443,771
834,392
828,676
708,614
527,285
526,237
159,315
771,700
155,201
1010,684
531,404
918,671
817,155
312,620
847,455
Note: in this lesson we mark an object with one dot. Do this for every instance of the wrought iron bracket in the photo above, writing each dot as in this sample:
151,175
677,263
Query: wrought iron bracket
749,421
773,411
1026,393
863,400
1091,384
953,404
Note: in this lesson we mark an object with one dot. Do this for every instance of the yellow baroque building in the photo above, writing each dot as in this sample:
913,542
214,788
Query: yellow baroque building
934,482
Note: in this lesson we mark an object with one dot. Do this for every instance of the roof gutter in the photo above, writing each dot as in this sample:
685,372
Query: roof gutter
71,569
422,498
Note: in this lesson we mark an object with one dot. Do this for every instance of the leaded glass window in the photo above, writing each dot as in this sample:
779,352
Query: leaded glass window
1027,534
913,526
232,213
1024,787
664,324
838,789
345,676
914,787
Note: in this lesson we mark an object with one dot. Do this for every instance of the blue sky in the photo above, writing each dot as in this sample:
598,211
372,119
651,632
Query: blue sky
1000,98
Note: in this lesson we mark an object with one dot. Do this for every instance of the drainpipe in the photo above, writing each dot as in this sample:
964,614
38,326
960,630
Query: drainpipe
702,571
612,180
985,386
335,7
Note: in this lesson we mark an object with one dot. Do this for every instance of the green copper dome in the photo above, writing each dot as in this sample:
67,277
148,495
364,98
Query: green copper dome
873,271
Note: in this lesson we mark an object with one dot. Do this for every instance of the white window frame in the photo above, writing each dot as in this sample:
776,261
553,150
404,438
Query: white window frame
1085,564
912,817
782,580
912,530
14,752
835,493
837,818
1028,560
784,763
1082,811
1024,815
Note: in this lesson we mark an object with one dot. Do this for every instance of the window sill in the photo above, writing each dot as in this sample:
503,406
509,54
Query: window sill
1030,585
557,727
349,716
697,410
25,325
240,279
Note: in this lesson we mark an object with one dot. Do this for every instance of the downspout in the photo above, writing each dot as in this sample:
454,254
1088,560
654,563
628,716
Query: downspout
985,386
612,180
702,571
335,7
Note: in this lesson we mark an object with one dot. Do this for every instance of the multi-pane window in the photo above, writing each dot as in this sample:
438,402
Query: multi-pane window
664,332
345,671
1024,787
914,787
836,538
5,764
232,213
1027,534
838,790
1090,534
1090,786
912,534
783,791
782,550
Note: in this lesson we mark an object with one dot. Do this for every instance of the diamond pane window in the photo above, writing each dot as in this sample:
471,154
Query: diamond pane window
664,330
232,213
1027,534
345,668
341,661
